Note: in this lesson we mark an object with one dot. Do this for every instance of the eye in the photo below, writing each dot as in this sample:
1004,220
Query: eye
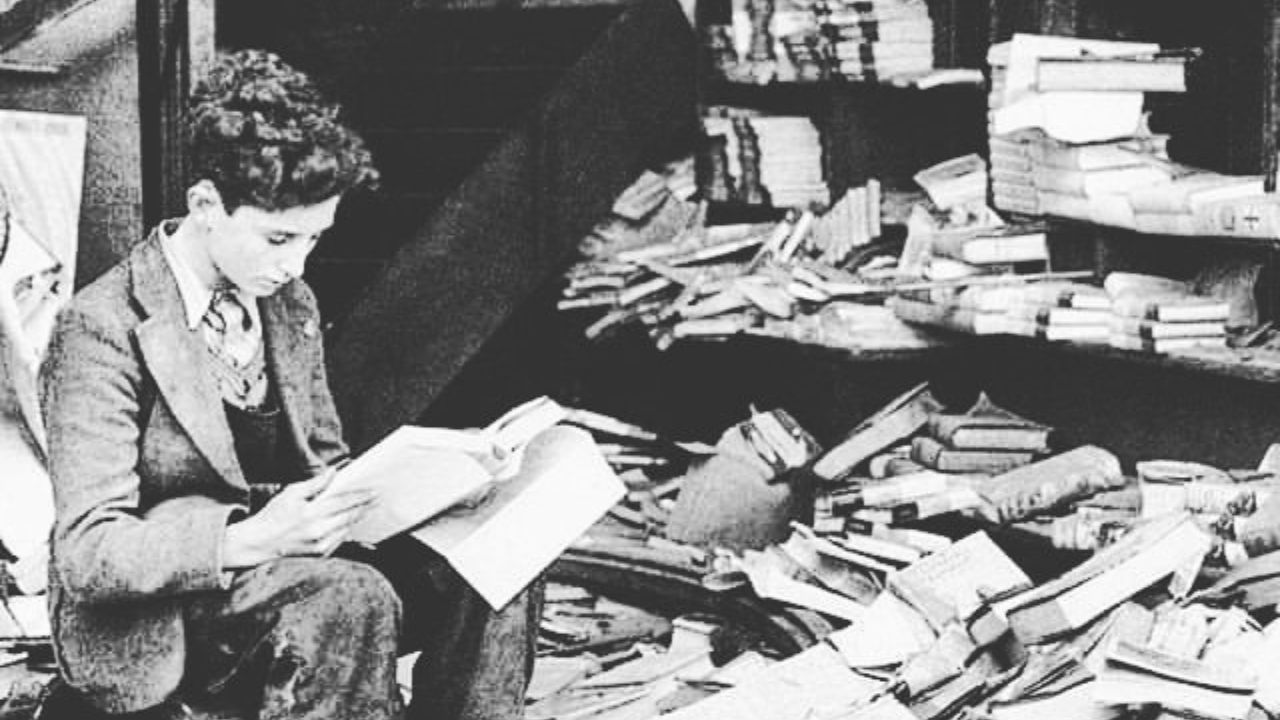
284,238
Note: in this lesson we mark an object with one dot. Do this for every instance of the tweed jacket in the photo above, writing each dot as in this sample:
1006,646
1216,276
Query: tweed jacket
145,472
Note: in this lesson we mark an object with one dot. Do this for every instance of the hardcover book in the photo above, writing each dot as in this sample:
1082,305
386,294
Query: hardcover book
990,427
1144,74
901,417
1045,485
1116,573
933,454
953,582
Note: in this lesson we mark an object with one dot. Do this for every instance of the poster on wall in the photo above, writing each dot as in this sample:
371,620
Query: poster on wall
41,185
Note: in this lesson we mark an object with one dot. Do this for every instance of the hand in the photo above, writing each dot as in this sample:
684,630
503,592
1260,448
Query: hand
300,520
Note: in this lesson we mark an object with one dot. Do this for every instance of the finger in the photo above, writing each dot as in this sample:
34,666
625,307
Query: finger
342,502
316,485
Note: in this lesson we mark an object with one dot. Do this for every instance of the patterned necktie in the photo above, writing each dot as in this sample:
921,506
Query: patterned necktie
232,327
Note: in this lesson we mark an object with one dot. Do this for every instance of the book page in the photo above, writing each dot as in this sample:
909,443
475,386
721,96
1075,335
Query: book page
814,682
952,583
563,487
521,423
414,474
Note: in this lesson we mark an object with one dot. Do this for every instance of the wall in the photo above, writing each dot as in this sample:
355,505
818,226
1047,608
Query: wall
98,45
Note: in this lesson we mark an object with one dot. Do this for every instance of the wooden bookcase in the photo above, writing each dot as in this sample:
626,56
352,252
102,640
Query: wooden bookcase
1139,405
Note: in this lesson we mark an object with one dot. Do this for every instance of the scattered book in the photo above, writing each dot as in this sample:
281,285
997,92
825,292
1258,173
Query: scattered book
901,417
1046,485
953,582
1116,573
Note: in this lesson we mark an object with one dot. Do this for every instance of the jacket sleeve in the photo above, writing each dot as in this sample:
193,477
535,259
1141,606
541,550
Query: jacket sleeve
104,546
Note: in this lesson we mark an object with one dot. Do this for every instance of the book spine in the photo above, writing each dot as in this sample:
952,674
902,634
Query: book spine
1254,217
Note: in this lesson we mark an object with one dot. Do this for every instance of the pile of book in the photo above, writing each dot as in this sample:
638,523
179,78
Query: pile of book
878,41
654,261
764,160
1051,309
1104,100
985,439
1066,123
811,40
1034,174
1154,314
1068,137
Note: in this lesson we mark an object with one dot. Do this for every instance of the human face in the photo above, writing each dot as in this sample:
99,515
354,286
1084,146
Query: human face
259,251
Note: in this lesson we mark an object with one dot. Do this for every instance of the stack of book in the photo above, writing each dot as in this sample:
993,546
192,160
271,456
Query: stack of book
987,439
810,40
878,40
771,159
1096,110
1066,127
1034,174
1013,187
1202,202
852,222
1063,311
1160,315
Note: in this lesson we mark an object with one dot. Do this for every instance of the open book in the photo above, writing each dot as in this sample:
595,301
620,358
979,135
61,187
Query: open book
415,473
499,503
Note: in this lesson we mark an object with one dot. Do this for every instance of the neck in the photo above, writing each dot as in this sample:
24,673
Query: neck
189,243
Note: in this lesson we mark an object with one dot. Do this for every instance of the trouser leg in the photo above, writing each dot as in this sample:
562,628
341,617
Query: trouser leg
311,638
476,662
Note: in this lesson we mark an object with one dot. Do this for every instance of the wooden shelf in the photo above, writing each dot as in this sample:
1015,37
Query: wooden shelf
1252,365
1121,232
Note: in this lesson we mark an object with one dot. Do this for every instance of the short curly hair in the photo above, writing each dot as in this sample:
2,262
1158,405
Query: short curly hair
262,132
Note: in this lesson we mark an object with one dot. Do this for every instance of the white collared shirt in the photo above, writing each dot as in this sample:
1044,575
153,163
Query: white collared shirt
196,295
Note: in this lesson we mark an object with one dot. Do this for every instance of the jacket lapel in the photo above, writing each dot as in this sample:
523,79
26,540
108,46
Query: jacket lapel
284,322
173,353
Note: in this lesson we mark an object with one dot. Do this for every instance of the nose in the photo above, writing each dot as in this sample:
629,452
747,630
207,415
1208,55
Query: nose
294,261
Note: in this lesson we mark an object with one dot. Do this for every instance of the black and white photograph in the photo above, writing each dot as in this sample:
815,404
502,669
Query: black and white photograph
639,360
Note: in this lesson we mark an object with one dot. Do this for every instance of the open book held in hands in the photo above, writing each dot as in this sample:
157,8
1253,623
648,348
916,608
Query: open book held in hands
415,473
500,503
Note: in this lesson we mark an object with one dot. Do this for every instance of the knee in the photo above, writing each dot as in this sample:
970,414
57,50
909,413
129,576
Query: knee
349,595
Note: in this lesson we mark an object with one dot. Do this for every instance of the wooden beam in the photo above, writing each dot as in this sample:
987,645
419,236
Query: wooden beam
175,44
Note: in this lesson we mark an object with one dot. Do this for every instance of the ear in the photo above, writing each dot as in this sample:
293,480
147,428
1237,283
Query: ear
203,199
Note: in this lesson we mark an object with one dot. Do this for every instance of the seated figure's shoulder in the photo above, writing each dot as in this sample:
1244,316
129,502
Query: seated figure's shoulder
103,303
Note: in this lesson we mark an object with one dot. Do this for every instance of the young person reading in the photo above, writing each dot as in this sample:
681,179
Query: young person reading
191,431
